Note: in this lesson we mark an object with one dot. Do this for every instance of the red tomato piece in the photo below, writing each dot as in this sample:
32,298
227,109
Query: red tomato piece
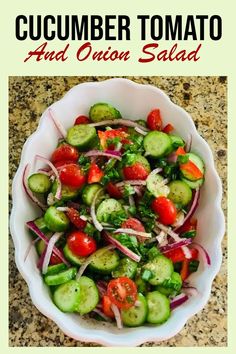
168,128
54,259
111,134
177,255
106,306
185,269
72,175
61,164
192,169
154,120
133,224
189,225
95,174
122,292
135,171
81,244
114,191
74,217
65,152
180,151
82,120
165,209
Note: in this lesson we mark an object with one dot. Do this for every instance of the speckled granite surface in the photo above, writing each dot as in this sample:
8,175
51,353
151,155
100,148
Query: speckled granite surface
205,99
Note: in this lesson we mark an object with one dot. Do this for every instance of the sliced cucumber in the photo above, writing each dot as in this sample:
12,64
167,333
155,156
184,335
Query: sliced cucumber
89,296
60,278
161,268
56,268
137,314
56,220
176,141
108,206
193,184
104,261
157,144
67,296
156,187
72,258
197,161
180,193
102,111
171,286
82,136
39,183
40,247
158,307
142,286
67,192
126,268
89,193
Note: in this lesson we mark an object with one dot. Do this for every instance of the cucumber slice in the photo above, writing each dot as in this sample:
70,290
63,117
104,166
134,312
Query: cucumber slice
82,136
126,268
171,286
180,193
142,285
56,220
89,193
108,206
193,184
158,307
39,183
67,192
67,296
161,268
56,268
137,314
197,161
61,278
104,261
40,247
176,141
72,258
102,111
89,296
157,144
156,187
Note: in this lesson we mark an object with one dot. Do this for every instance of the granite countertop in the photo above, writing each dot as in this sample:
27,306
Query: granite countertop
205,99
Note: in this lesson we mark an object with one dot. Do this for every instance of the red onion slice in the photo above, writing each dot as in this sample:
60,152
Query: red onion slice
192,208
203,253
116,312
31,225
43,159
102,314
102,288
113,152
133,182
187,253
190,290
168,230
122,248
27,189
175,245
188,144
178,300
49,250
96,223
133,232
102,153
125,122
131,201
58,124
155,171
28,249
140,131
161,239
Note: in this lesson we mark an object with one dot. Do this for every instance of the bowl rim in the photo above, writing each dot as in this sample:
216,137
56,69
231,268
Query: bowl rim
103,337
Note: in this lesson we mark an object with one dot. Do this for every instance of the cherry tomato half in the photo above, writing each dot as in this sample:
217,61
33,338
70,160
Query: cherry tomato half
95,174
81,244
122,292
72,175
135,171
178,255
106,306
65,152
74,217
133,224
54,259
154,120
81,120
165,209
114,191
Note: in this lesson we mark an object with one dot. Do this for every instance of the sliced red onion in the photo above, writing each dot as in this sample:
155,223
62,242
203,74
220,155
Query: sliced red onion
133,182
155,171
178,300
113,152
172,157
27,189
122,248
116,312
169,231
192,208
187,252
29,248
63,209
96,223
31,225
131,201
179,219
74,205
203,253
140,131
188,144
190,290
102,288
161,238
125,122
58,124
43,172
133,232
43,159
49,250
138,191
102,153
102,314
175,245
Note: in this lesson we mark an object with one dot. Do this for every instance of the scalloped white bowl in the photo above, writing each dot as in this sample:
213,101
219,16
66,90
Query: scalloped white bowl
134,101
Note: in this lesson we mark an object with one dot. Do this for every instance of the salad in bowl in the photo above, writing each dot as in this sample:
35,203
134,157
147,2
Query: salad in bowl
118,206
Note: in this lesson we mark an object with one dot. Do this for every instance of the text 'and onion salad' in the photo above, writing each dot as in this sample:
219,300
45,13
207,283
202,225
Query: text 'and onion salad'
115,238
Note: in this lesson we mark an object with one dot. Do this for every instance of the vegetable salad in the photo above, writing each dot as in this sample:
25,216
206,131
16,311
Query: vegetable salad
115,237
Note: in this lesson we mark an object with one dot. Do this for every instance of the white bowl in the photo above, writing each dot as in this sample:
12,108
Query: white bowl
134,101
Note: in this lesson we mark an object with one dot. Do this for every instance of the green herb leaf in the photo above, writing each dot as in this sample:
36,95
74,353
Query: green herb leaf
128,190
84,162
